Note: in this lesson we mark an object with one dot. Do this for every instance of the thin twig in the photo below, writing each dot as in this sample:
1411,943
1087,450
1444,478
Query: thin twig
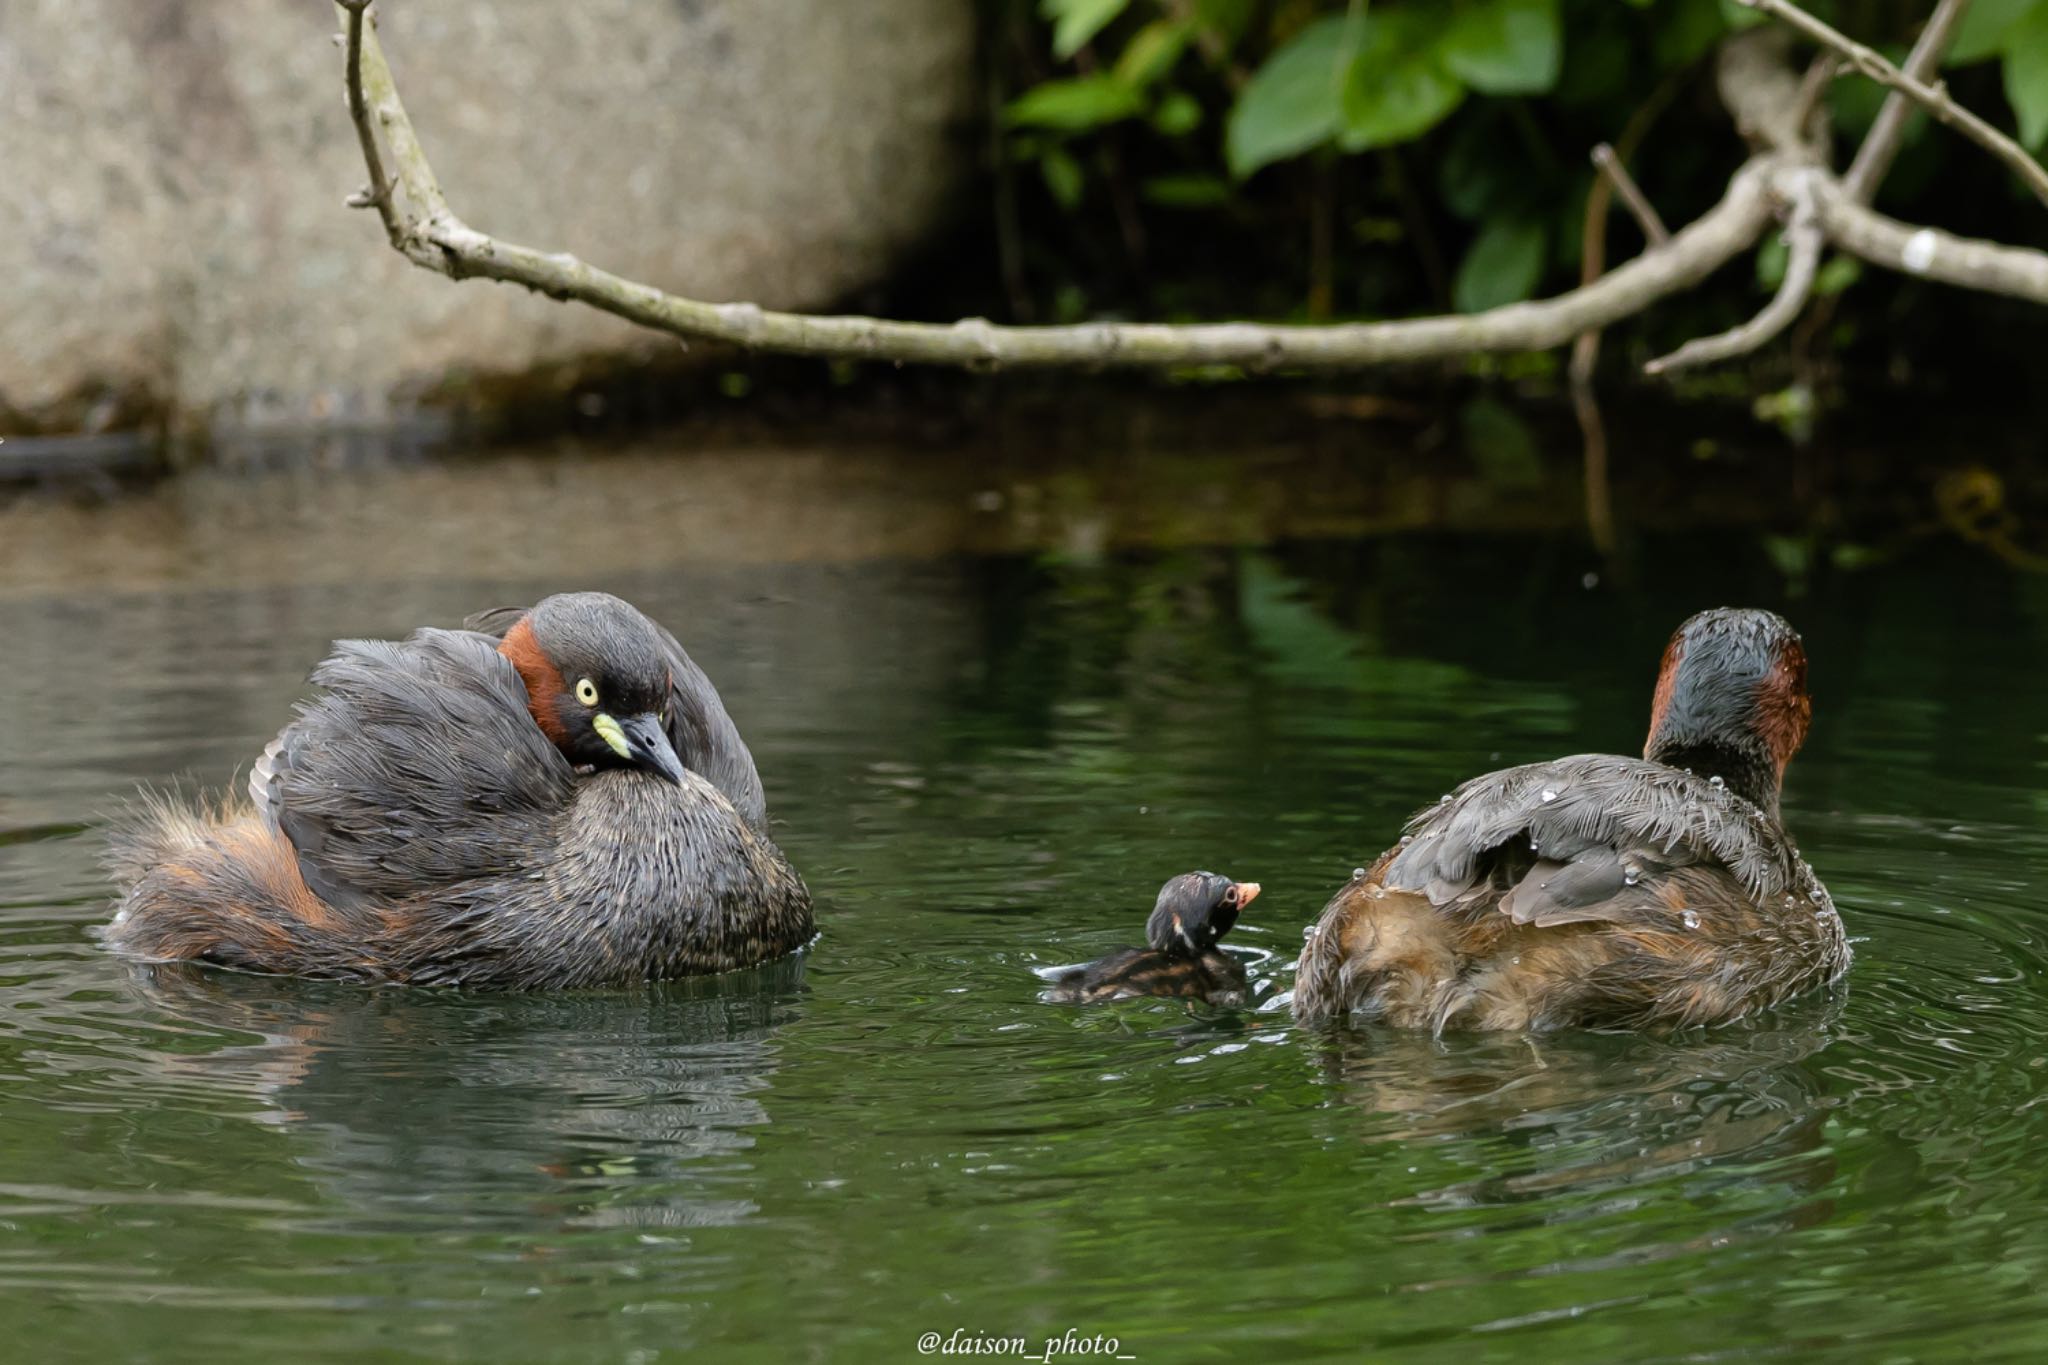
1813,86
1593,237
378,192
1934,98
1632,196
1598,483
1586,346
1804,240
1881,144
1757,95
438,240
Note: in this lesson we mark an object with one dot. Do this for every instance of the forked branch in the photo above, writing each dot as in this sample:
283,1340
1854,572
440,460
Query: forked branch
1933,98
1804,239
1782,174
1881,144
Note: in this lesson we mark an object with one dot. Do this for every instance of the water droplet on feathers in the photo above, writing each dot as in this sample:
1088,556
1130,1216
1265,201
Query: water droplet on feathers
1631,874
1716,781
1691,918
1547,795
1357,874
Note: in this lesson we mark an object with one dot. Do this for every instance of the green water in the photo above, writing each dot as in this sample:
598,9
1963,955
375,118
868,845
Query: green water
985,749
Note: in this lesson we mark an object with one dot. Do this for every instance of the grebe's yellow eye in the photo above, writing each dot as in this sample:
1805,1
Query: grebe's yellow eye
586,691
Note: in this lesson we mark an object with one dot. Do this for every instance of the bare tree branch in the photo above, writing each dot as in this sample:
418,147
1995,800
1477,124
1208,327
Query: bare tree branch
1753,76
1592,264
1934,98
1881,143
378,192
1813,86
436,239
1776,113
1804,240
1759,92
1929,253
1631,195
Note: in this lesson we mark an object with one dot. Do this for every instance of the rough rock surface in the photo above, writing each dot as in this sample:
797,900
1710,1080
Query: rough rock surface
174,227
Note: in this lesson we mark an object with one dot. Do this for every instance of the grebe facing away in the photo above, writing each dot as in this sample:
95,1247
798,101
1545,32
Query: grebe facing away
1599,890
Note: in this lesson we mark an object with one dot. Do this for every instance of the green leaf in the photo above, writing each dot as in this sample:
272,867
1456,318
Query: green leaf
2026,75
1062,176
1742,16
1399,87
1186,191
1985,24
1838,274
1792,555
1295,100
1076,21
1503,265
1505,47
1178,114
1152,52
1076,104
1770,261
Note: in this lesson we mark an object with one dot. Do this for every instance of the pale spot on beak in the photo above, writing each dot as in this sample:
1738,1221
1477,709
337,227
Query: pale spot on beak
612,733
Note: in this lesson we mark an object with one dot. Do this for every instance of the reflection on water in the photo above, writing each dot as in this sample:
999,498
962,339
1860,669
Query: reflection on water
663,1085
985,763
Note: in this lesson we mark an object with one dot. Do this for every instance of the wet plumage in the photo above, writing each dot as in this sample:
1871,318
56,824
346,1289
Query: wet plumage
1192,913
1602,890
557,800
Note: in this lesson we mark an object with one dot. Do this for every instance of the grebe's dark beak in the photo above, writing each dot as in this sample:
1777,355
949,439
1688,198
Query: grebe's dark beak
647,746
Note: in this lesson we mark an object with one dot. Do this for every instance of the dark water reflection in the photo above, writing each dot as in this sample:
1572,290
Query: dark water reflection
985,763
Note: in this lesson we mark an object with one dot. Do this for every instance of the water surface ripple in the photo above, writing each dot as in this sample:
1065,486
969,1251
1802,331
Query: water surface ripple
985,765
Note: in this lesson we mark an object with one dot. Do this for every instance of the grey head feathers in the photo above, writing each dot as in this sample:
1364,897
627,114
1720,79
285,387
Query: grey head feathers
704,736
1731,700
600,637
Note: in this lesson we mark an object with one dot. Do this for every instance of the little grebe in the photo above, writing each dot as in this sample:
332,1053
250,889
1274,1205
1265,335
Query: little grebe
1599,890
553,798
1193,911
